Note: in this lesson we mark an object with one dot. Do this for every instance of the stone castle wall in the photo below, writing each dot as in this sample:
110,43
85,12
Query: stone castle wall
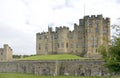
85,39
5,53
65,67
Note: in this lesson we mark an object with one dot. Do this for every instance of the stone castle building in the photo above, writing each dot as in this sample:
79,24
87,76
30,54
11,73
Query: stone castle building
91,32
5,53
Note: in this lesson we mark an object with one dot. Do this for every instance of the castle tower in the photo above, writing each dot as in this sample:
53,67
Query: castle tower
96,32
85,39
5,53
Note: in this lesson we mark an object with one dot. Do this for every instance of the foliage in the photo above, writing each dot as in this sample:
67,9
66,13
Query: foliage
16,75
53,57
21,56
16,56
112,55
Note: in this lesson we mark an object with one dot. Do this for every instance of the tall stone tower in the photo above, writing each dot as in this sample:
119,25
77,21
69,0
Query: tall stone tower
95,32
85,39
5,53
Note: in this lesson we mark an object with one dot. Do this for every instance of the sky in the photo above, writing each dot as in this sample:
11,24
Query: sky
20,20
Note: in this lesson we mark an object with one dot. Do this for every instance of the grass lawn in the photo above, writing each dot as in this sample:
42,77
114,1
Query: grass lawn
53,57
16,75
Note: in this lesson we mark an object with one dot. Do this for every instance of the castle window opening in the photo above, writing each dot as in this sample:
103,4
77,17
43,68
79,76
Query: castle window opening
104,31
71,45
71,36
96,30
39,46
58,45
55,36
45,37
66,45
1,53
78,35
39,37
62,45
76,45
92,41
97,23
96,50
96,41
90,23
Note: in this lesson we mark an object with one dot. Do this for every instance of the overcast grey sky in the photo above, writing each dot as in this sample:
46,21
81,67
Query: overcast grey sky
20,20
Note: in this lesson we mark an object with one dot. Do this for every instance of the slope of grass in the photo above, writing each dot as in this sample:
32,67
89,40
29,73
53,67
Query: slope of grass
53,57
16,75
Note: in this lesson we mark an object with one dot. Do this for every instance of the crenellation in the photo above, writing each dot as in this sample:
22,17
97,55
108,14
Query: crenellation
107,19
99,16
5,53
93,16
75,26
86,17
49,29
83,40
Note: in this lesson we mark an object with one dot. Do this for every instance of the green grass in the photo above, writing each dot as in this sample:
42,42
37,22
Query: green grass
53,57
17,75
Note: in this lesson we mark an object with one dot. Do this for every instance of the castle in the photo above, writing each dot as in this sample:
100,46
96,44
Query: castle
85,39
92,32
6,53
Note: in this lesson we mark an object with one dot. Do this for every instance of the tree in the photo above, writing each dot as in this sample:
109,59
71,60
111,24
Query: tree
112,55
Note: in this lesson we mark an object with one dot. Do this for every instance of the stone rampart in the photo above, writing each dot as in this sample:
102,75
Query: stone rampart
61,67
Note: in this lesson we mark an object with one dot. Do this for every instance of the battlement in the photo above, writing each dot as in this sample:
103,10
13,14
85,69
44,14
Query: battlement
6,53
107,19
42,33
93,16
61,28
83,40
7,47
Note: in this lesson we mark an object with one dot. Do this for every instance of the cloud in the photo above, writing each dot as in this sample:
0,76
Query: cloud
61,4
20,20
19,41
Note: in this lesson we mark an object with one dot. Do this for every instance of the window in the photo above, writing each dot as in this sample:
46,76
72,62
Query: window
62,45
71,45
39,46
66,45
45,37
97,23
96,30
46,46
71,35
55,36
96,41
1,53
96,50
58,45
78,35
104,31
76,45
92,41
90,23
40,37
96,44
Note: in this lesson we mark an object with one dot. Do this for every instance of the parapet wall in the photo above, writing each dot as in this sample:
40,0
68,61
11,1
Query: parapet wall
65,67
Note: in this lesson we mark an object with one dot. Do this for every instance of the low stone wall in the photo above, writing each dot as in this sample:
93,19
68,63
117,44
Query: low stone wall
61,67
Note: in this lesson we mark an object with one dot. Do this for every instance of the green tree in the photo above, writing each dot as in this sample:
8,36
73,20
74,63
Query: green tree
112,55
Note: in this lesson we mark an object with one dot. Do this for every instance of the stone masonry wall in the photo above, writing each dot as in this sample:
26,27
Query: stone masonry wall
66,67
84,40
